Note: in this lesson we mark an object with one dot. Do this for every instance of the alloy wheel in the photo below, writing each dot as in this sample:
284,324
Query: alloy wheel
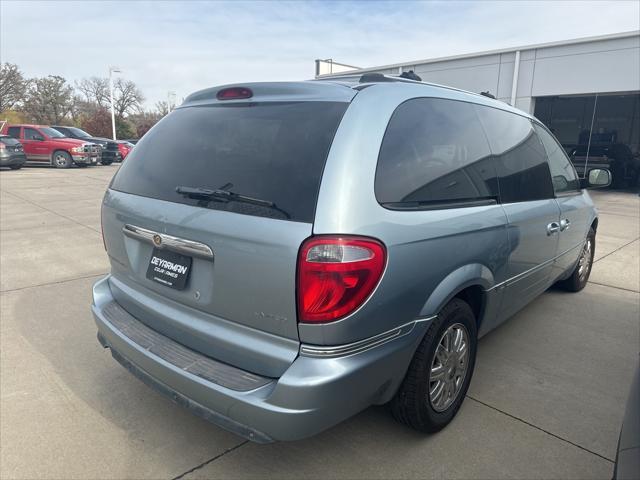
584,263
59,160
449,367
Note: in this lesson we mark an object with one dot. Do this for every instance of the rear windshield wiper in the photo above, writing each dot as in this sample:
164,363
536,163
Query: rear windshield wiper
223,195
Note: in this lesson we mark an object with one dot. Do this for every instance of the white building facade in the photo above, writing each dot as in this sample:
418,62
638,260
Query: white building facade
585,90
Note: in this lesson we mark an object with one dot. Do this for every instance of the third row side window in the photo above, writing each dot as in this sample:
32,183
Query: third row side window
521,160
563,175
434,152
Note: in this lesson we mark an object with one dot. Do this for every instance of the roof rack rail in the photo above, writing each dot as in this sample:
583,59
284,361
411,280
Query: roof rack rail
379,77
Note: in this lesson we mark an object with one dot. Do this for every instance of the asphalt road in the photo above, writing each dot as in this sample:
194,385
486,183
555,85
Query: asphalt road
546,400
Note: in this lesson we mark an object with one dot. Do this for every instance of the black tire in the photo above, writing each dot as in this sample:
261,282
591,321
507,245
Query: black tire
617,176
578,279
61,159
412,404
15,167
106,162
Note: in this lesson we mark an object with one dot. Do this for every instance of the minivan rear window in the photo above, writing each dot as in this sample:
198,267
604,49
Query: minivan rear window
268,151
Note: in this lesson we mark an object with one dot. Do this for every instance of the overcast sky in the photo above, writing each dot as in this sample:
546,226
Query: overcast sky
186,46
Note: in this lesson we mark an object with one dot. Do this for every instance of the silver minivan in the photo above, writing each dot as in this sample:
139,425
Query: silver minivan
284,255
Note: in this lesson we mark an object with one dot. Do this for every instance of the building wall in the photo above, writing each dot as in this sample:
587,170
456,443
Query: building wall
605,64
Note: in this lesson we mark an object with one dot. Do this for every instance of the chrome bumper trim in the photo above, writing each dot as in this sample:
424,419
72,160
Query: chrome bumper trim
331,351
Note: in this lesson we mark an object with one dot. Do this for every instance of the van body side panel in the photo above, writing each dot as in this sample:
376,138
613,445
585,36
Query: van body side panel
533,252
423,247
580,211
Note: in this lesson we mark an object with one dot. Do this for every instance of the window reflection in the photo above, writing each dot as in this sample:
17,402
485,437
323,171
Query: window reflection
597,131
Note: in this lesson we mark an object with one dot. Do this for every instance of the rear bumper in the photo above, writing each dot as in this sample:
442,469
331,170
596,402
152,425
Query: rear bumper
85,159
313,393
110,156
13,160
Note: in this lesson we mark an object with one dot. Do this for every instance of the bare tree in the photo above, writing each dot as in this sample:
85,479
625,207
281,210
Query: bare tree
127,98
143,121
48,100
12,86
162,108
95,90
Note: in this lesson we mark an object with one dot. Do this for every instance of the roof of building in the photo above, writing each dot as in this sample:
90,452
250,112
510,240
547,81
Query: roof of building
613,36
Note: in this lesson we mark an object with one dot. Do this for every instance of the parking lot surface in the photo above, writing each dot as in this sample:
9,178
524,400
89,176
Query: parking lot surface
546,399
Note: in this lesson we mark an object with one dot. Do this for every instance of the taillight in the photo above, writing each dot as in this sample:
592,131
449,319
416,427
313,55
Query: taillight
336,275
2,146
234,93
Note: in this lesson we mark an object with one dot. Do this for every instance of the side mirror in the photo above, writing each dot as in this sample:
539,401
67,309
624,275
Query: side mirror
597,178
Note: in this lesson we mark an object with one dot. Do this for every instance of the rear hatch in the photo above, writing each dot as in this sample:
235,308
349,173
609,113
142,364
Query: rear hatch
227,190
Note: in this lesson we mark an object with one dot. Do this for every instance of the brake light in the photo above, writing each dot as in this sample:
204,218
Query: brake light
336,275
2,146
234,93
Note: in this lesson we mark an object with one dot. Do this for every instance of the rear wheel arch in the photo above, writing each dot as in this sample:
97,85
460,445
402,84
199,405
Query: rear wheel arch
594,224
476,298
468,283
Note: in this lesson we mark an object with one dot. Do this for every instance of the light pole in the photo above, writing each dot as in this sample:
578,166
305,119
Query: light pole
113,70
171,100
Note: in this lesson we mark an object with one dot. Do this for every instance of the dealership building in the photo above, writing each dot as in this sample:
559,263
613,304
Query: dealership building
587,90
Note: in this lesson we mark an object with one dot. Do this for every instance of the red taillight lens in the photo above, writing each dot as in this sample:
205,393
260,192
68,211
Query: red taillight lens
2,146
336,275
234,93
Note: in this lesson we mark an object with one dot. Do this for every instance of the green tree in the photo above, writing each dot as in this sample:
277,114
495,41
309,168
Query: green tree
124,129
13,86
49,100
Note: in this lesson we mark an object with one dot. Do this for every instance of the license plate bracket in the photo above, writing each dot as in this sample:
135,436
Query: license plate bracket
169,268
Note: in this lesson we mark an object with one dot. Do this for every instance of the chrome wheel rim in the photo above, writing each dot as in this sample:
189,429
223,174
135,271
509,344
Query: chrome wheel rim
449,367
60,161
584,263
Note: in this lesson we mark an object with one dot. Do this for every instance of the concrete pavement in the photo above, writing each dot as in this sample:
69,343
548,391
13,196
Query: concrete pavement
546,399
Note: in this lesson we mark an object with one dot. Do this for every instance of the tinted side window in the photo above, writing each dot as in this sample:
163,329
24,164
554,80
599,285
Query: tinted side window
434,151
521,161
14,132
31,134
563,175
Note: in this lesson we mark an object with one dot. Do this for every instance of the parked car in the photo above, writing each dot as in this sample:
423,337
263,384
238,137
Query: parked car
109,149
627,466
132,141
124,149
616,157
308,249
11,153
46,146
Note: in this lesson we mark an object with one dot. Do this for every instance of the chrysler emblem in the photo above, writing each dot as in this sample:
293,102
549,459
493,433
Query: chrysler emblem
157,240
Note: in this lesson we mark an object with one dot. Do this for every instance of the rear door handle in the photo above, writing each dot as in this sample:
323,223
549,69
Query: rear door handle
564,224
553,227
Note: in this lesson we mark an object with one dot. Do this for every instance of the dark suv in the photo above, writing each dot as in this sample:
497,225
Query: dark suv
109,148
605,152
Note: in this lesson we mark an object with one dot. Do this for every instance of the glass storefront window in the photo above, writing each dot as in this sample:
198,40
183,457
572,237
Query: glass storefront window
600,130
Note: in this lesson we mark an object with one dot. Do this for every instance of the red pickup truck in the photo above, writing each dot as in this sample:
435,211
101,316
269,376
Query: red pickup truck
46,146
